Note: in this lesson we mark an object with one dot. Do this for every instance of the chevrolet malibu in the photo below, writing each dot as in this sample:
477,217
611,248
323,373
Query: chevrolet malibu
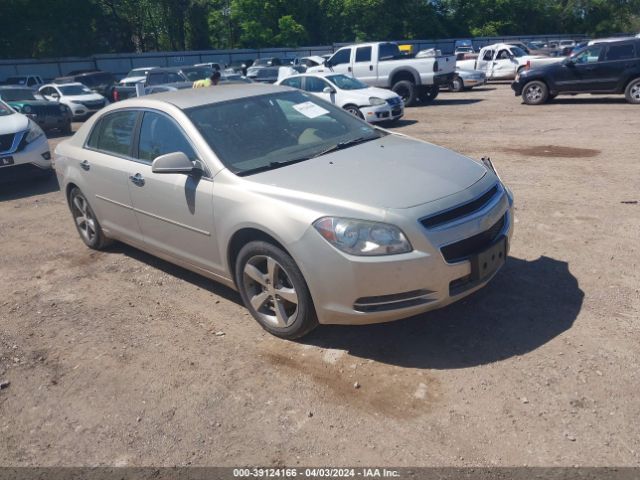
312,214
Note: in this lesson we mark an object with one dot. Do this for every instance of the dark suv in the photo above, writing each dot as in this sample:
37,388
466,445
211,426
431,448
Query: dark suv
601,68
98,81
161,76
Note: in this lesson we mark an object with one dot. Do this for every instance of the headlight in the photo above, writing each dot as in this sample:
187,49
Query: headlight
34,132
360,237
376,101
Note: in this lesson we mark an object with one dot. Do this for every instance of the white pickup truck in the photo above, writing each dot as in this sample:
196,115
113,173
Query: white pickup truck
503,62
382,65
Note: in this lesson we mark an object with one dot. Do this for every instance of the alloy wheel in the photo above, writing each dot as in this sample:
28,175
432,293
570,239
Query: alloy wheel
534,93
270,291
83,216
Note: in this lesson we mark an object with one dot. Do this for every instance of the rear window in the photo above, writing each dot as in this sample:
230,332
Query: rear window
621,52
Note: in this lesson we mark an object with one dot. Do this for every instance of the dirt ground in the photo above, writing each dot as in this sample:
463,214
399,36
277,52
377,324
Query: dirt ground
118,358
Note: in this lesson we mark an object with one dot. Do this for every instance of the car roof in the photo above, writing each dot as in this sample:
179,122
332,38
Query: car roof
15,87
194,97
66,84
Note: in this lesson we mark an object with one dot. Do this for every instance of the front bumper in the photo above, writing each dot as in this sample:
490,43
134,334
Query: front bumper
354,290
382,113
516,86
34,158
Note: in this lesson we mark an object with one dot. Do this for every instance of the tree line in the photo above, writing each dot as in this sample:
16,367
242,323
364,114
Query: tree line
45,28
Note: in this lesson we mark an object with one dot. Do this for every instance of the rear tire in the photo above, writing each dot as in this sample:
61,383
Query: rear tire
535,93
407,91
429,94
274,290
632,92
86,222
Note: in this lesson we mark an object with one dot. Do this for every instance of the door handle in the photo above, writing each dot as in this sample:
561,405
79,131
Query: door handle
371,68
348,69
85,165
137,179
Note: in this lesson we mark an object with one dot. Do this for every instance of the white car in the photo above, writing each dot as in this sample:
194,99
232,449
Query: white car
368,103
136,75
23,146
81,101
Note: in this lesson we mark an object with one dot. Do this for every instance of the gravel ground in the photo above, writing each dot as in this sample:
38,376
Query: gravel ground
118,358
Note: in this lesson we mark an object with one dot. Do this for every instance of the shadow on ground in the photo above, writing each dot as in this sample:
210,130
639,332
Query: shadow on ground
526,305
441,102
17,188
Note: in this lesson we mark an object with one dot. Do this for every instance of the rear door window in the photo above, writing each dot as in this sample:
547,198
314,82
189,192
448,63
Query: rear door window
115,133
625,51
363,54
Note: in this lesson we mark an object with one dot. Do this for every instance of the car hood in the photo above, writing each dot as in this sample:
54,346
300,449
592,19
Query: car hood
367,93
13,123
390,172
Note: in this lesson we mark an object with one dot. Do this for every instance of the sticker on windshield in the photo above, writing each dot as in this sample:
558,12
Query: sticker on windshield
310,109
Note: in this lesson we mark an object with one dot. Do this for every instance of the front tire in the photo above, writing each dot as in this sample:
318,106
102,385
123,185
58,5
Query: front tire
407,91
86,222
457,85
274,290
632,92
429,94
354,110
535,93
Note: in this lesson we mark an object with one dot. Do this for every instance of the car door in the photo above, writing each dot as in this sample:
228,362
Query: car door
484,61
581,72
316,86
340,62
104,171
503,66
618,58
363,67
174,210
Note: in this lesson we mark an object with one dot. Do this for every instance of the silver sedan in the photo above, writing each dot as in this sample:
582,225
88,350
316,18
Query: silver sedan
313,215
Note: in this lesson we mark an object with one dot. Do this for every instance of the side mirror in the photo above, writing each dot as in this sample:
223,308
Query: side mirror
327,63
569,62
329,90
176,162
55,95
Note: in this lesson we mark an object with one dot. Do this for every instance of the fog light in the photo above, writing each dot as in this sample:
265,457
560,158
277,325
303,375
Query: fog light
46,155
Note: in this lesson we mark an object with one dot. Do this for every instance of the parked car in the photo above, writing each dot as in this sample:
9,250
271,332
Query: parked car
81,101
211,65
239,66
162,76
503,61
368,103
462,50
24,150
602,68
97,81
136,75
263,74
313,215
48,115
169,87
381,65
31,81
467,79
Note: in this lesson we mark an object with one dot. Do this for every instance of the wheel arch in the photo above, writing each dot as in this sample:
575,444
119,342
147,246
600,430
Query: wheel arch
404,73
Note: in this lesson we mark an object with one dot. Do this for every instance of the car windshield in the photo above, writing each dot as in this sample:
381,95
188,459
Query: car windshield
518,52
194,74
75,90
4,109
262,62
259,133
347,83
138,72
14,95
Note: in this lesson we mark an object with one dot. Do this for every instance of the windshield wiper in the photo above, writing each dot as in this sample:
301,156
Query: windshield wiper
343,145
270,166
